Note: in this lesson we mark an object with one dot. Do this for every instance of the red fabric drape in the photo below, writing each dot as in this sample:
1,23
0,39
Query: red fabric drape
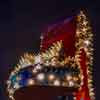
64,31
83,94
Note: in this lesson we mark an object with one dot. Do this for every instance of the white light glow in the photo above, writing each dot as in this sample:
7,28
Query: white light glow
16,86
38,67
38,59
51,77
86,42
71,83
31,82
40,76
57,83
68,77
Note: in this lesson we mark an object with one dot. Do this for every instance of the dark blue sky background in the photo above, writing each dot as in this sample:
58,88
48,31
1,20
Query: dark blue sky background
21,23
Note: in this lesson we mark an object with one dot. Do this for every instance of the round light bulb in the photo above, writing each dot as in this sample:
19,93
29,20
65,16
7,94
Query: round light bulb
68,77
38,67
86,42
51,77
57,83
75,78
71,83
31,82
38,59
34,71
40,76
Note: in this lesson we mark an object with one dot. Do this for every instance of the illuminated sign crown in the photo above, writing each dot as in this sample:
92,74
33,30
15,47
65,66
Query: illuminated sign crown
53,67
45,69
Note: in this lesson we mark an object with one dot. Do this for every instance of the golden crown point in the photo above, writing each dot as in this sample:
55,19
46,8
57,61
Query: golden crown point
91,89
92,94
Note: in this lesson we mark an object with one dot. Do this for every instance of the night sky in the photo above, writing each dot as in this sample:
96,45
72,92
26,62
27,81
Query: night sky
22,21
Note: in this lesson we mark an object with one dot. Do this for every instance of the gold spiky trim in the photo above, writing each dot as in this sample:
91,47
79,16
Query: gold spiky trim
52,51
84,40
49,55
25,61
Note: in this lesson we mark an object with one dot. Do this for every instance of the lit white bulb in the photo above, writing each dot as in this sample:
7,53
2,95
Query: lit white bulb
84,29
57,83
85,23
12,73
34,71
86,42
75,78
16,86
31,82
10,96
40,76
68,77
71,83
51,77
38,67
41,37
38,59
8,82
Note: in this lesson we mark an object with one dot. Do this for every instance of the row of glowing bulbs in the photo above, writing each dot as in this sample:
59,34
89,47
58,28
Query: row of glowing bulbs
69,80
